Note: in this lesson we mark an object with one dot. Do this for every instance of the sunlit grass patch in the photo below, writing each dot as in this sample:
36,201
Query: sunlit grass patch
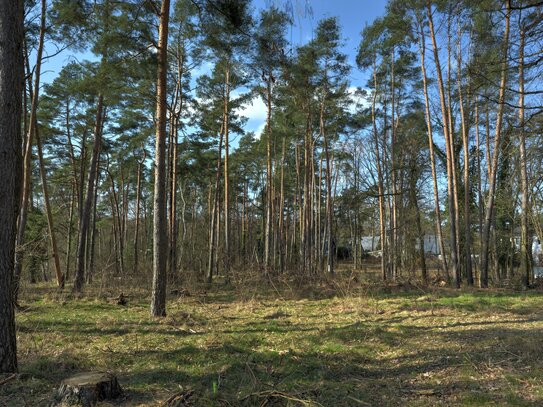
373,347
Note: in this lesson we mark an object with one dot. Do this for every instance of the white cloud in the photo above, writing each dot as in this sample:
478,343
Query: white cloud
256,112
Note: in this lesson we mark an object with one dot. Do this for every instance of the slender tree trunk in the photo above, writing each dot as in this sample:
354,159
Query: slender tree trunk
282,233
449,150
269,175
93,230
160,238
439,231
85,215
394,249
11,91
226,114
213,236
70,234
137,220
329,203
27,166
494,166
50,223
380,189
465,147
525,242
172,226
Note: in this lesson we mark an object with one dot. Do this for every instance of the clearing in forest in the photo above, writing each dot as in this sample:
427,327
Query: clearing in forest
370,346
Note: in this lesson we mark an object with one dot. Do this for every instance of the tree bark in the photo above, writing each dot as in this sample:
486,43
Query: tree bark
160,238
11,91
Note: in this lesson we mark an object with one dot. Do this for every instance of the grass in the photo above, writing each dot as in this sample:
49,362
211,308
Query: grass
283,346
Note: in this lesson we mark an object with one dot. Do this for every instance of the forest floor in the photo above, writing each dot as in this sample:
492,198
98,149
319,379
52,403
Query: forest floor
336,344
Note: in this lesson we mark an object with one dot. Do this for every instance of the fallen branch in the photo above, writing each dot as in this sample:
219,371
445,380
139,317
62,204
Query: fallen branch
278,394
8,379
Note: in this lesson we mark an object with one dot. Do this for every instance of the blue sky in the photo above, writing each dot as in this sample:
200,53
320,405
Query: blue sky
353,15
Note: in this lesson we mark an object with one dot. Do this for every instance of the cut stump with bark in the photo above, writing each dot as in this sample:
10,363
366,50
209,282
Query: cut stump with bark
87,389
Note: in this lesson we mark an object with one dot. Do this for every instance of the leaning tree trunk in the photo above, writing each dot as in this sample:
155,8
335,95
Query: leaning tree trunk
50,223
11,90
160,238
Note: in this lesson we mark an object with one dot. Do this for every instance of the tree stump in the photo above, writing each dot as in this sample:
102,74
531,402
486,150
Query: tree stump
87,389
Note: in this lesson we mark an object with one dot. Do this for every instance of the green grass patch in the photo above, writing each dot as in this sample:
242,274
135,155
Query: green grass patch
365,347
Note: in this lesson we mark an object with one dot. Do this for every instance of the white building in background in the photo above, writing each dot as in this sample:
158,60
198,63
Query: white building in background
431,244
373,243
370,243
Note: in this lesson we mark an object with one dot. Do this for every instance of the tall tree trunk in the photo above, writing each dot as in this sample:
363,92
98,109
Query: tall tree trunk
11,91
525,242
380,188
27,166
449,150
50,223
86,212
70,234
269,175
494,165
439,231
394,249
137,220
329,203
160,238
465,147
282,233
172,225
479,178
93,231
213,236
226,114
